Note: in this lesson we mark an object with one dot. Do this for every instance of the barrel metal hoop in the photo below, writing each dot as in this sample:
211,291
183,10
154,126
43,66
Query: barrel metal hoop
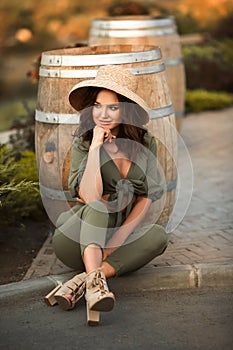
132,24
156,113
173,61
56,194
91,73
101,59
180,114
131,33
55,118
68,73
157,68
171,185
61,118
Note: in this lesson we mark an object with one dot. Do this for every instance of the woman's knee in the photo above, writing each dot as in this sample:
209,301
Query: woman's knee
156,238
162,234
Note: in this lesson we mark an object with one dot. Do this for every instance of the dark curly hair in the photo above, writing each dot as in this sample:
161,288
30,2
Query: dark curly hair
131,127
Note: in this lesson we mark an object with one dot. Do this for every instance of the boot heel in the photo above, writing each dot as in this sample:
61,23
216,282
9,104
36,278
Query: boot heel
93,317
49,298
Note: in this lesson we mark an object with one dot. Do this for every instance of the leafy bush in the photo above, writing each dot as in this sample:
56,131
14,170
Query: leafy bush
24,138
19,187
209,66
10,111
186,23
201,100
220,51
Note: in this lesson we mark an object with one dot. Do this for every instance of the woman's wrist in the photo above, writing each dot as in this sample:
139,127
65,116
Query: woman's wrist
95,146
107,252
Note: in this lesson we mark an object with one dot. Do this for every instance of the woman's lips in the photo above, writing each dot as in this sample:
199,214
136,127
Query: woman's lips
104,123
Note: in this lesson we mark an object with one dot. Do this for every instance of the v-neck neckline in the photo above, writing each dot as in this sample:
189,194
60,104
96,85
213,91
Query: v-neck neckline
118,170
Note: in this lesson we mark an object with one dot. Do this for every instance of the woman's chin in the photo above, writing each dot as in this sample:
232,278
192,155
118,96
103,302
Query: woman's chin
106,126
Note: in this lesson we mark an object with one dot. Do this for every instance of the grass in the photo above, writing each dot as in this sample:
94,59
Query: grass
10,110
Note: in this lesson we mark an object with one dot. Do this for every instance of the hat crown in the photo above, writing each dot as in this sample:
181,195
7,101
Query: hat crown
109,77
118,75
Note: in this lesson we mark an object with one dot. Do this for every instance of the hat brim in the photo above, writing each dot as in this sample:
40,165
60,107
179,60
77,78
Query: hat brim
78,90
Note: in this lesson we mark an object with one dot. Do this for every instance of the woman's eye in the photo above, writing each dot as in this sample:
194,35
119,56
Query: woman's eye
114,108
97,106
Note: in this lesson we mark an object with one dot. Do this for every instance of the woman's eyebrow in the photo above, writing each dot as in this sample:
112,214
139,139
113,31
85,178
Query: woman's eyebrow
108,104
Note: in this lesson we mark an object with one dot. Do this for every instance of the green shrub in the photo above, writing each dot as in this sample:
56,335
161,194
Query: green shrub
202,100
204,52
19,187
24,138
186,23
226,47
10,111
221,51
210,66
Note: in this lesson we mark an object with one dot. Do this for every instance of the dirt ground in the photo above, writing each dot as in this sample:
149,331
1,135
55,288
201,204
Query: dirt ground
19,246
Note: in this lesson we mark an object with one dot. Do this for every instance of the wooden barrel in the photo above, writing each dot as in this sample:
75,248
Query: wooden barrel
147,30
56,120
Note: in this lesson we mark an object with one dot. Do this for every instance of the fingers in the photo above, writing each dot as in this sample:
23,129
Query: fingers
104,133
109,136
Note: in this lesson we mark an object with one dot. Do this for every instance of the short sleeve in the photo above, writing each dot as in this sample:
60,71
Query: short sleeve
155,181
79,153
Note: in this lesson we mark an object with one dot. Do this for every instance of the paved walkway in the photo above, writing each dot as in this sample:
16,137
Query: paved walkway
201,247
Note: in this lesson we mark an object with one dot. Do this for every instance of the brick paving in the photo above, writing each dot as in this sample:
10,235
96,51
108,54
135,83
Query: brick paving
206,232
205,235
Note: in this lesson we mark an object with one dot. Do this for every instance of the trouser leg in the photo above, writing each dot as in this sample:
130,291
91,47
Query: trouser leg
94,225
77,229
68,251
140,248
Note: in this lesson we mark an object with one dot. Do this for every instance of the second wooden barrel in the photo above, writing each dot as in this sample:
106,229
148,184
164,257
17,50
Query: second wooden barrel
56,120
147,30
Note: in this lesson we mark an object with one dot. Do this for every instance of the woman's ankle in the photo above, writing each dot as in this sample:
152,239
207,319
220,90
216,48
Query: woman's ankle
92,257
108,270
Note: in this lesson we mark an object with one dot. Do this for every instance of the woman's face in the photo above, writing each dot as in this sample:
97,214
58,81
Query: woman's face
106,110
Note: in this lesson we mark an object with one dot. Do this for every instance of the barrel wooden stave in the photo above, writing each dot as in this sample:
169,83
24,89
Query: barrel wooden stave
53,99
148,30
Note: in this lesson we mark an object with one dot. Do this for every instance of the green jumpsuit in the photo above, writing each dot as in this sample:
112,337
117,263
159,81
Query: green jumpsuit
86,224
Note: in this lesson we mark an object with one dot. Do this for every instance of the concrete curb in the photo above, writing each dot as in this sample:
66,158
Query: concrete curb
147,279
213,275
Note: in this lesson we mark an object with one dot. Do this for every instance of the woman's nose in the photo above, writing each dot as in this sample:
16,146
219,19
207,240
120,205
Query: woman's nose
104,111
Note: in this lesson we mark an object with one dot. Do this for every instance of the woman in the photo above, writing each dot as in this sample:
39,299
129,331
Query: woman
115,177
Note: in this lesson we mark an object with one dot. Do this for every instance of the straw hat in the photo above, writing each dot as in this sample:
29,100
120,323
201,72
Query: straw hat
115,78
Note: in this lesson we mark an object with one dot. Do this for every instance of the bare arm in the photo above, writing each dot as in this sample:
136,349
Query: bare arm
132,221
91,186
